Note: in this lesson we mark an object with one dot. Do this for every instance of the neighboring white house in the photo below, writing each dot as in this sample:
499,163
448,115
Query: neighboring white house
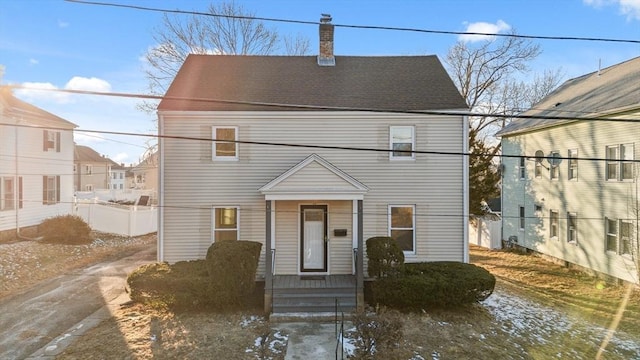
36,164
570,187
118,177
311,156
145,174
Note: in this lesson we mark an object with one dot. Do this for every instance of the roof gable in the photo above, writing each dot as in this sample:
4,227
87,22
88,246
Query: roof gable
86,154
315,178
254,83
14,107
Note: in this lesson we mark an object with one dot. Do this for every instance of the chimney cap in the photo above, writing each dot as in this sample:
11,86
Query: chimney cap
326,18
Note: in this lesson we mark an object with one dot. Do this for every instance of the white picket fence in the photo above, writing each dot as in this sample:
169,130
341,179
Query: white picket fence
125,220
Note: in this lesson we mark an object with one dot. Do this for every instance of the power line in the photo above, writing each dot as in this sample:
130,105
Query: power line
369,27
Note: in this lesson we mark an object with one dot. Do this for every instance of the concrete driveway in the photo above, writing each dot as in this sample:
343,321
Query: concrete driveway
35,322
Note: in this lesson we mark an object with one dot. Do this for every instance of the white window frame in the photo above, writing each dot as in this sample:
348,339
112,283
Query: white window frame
412,228
572,165
411,155
216,157
521,218
554,224
4,198
554,169
522,168
538,169
626,154
610,234
88,169
628,238
51,140
623,158
52,192
213,222
572,231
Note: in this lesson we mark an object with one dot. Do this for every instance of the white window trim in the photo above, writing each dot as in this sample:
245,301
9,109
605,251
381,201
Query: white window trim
557,227
3,193
572,154
413,143
88,169
626,161
554,168
607,234
575,230
215,157
522,218
631,237
213,222
522,168
413,215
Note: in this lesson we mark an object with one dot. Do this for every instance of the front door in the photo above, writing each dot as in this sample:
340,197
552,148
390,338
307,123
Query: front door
313,238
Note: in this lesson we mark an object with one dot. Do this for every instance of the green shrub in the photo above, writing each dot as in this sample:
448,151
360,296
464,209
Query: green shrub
232,269
434,284
65,229
183,285
385,256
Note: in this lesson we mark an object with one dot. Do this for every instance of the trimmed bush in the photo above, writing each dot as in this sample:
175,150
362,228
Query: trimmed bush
232,269
434,284
385,256
65,229
183,285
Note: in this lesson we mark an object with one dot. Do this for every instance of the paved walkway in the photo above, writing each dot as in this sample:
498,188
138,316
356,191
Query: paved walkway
310,340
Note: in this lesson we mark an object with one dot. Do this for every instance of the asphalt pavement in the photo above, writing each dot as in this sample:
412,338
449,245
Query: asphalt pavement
40,322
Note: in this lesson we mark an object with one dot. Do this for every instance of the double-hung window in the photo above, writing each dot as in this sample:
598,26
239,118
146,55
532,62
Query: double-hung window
554,168
402,142
620,162
225,145
573,164
88,169
402,226
51,140
572,228
619,236
522,168
50,190
611,230
554,219
9,193
521,222
225,223
626,231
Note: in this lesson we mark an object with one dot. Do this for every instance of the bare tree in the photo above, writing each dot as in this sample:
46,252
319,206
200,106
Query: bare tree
488,76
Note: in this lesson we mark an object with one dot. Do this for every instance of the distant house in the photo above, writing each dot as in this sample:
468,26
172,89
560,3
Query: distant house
36,164
145,174
311,156
570,185
118,177
92,171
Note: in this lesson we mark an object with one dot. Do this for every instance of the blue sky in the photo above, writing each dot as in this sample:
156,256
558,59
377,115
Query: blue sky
57,44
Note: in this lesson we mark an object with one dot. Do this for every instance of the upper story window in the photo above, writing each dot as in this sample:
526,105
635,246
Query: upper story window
225,146
402,226
554,167
522,168
554,218
521,218
225,224
620,162
538,169
50,190
402,142
88,169
573,164
51,140
572,228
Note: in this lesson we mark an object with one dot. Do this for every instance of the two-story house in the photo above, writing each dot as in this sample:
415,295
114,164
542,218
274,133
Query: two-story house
145,174
570,180
118,179
312,155
92,171
36,164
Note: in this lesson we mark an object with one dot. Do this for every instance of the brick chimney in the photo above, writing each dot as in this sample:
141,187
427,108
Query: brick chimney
325,57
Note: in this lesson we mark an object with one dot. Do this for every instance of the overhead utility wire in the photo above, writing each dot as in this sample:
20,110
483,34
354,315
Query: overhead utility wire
321,107
373,27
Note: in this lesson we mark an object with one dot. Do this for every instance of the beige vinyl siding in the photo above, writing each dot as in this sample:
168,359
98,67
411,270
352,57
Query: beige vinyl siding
433,182
590,196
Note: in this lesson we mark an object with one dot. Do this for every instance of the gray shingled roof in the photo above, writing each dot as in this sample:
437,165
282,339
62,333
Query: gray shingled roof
377,83
33,114
86,154
612,90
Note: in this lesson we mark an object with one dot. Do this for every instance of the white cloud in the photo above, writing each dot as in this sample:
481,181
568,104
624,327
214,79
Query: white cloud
120,157
33,62
62,24
89,84
87,138
485,28
31,93
629,8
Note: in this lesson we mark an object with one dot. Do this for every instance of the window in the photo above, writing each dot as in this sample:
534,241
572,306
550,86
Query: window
88,169
121,176
522,169
538,168
50,190
553,224
225,224
554,169
121,186
522,218
402,226
223,150
626,229
620,162
572,228
573,164
7,193
88,187
401,142
612,235
75,168
51,141
114,176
